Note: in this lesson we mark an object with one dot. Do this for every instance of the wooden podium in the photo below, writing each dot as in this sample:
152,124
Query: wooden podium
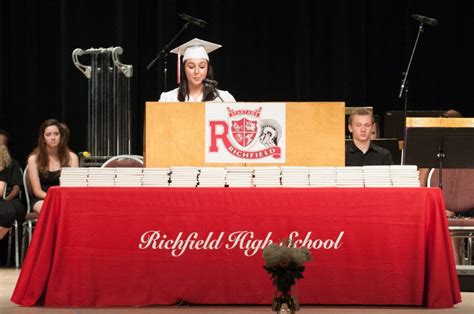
175,135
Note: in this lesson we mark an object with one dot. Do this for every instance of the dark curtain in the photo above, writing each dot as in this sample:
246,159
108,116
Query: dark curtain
307,50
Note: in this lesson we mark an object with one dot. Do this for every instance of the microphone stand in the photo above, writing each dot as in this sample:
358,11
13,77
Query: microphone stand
216,93
405,96
214,90
440,155
404,86
164,52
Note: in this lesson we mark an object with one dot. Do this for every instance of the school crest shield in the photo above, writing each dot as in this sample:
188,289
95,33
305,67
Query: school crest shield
244,131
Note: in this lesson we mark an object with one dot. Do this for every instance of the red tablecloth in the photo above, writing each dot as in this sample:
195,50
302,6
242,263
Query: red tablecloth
383,246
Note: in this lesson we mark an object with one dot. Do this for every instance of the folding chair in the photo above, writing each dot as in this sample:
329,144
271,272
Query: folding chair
30,219
458,192
124,161
13,232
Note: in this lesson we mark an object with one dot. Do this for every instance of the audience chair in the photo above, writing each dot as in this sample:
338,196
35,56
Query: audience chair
124,161
13,232
458,192
30,219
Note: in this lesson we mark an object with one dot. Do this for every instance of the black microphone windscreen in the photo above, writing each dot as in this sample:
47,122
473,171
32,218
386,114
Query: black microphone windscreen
426,20
209,82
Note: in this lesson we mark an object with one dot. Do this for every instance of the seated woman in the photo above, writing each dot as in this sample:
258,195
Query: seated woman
197,79
7,211
47,159
14,179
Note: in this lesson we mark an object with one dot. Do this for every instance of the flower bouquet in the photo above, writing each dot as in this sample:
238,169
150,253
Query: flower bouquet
284,262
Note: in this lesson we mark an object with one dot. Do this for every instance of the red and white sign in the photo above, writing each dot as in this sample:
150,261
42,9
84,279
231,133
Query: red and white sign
245,132
244,240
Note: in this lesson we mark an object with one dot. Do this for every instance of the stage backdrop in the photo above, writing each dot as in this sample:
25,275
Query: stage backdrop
351,51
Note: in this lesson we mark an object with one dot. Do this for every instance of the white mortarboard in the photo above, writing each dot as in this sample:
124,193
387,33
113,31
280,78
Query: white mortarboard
194,49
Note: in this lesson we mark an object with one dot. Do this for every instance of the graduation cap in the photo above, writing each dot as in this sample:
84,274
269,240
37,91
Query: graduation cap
194,49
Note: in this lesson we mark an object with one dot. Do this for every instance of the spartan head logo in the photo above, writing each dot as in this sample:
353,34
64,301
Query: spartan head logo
270,133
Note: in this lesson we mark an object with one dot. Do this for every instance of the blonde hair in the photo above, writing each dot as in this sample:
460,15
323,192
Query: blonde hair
361,112
5,158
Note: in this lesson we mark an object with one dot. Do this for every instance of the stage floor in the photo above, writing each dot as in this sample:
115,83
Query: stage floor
9,276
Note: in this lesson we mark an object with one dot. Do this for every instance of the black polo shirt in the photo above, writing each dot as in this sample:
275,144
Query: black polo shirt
375,155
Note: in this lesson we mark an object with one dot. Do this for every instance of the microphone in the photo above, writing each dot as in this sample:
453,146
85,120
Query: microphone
424,19
193,20
210,83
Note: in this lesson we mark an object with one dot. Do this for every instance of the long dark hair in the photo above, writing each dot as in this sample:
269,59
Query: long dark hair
42,157
183,91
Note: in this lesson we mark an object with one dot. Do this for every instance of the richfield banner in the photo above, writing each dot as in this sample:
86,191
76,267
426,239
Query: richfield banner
245,132
243,240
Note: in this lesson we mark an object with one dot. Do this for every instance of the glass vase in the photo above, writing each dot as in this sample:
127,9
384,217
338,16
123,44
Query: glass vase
285,302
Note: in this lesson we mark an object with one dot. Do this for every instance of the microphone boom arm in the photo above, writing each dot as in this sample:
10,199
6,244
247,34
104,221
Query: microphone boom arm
216,92
166,48
164,52
402,87
214,89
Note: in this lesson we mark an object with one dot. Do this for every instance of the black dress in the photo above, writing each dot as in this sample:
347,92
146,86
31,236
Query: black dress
47,180
15,177
7,211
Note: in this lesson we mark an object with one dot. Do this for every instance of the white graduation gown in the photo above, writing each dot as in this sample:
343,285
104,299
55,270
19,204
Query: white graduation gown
172,96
